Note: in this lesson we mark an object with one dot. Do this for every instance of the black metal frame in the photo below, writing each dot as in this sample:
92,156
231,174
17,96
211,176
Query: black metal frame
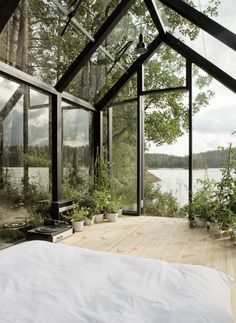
92,46
57,95
7,8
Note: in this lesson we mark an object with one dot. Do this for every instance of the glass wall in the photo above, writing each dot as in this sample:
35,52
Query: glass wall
77,150
166,153
213,129
124,155
25,159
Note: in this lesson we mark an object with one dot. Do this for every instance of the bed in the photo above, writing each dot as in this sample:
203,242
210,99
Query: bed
47,283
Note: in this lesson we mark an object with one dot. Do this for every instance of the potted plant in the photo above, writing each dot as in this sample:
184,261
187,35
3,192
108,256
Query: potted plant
102,198
77,217
88,202
89,219
112,209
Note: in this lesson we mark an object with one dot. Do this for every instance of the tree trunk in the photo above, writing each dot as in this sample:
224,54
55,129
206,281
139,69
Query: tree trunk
14,37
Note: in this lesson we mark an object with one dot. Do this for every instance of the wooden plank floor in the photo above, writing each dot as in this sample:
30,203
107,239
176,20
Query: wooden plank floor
163,238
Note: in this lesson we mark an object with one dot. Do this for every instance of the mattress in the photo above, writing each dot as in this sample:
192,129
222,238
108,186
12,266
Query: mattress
45,282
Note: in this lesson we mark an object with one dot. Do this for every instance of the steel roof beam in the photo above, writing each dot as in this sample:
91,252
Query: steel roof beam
202,21
6,10
92,46
142,59
201,62
151,5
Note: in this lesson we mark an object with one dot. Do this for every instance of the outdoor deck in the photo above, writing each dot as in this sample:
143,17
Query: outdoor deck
163,238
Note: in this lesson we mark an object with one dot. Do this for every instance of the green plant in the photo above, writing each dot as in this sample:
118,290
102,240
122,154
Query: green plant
112,206
158,203
102,199
78,213
204,203
101,174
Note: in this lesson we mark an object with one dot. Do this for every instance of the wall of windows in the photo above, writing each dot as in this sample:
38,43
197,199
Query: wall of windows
25,158
77,150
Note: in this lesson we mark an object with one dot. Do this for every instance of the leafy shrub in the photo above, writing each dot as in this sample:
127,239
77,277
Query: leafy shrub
159,203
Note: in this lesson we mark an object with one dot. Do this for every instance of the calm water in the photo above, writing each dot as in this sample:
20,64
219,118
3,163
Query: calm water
176,180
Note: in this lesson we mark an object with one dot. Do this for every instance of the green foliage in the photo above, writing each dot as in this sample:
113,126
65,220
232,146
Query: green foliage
216,201
112,206
102,199
76,184
78,213
158,203
204,204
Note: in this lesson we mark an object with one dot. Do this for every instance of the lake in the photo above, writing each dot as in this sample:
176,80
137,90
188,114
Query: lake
176,180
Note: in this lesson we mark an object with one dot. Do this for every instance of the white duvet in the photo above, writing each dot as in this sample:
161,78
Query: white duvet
47,283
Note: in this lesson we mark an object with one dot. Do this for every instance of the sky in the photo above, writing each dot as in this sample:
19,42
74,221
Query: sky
213,125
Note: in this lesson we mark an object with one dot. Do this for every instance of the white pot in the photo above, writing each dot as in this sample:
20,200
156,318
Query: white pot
77,225
120,212
89,221
112,217
215,229
98,218
199,222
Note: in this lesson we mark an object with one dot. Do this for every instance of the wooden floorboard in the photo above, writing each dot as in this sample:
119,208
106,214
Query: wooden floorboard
168,239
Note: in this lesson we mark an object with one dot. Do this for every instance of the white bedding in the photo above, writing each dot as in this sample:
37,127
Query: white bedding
47,283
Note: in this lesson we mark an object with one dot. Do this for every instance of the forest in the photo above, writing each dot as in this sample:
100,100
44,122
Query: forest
208,159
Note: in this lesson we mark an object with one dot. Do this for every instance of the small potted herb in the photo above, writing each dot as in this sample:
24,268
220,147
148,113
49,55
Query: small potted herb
112,209
102,199
77,217
89,220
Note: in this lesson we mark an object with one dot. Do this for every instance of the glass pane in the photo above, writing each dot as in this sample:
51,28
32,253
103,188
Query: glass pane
200,41
105,129
166,157
77,151
213,129
91,14
31,41
129,90
219,11
25,160
165,69
124,152
100,73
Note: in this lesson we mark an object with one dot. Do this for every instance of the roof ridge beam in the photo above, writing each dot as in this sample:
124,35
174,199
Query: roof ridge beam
92,46
199,19
109,96
152,8
201,62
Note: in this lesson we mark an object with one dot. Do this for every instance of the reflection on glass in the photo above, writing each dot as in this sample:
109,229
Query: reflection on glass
165,69
25,159
77,146
31,41
124,151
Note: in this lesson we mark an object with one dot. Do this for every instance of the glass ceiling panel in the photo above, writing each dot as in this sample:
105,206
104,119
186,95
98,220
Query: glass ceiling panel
166,69
199,40
220,11
121,44
91,14
31,41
